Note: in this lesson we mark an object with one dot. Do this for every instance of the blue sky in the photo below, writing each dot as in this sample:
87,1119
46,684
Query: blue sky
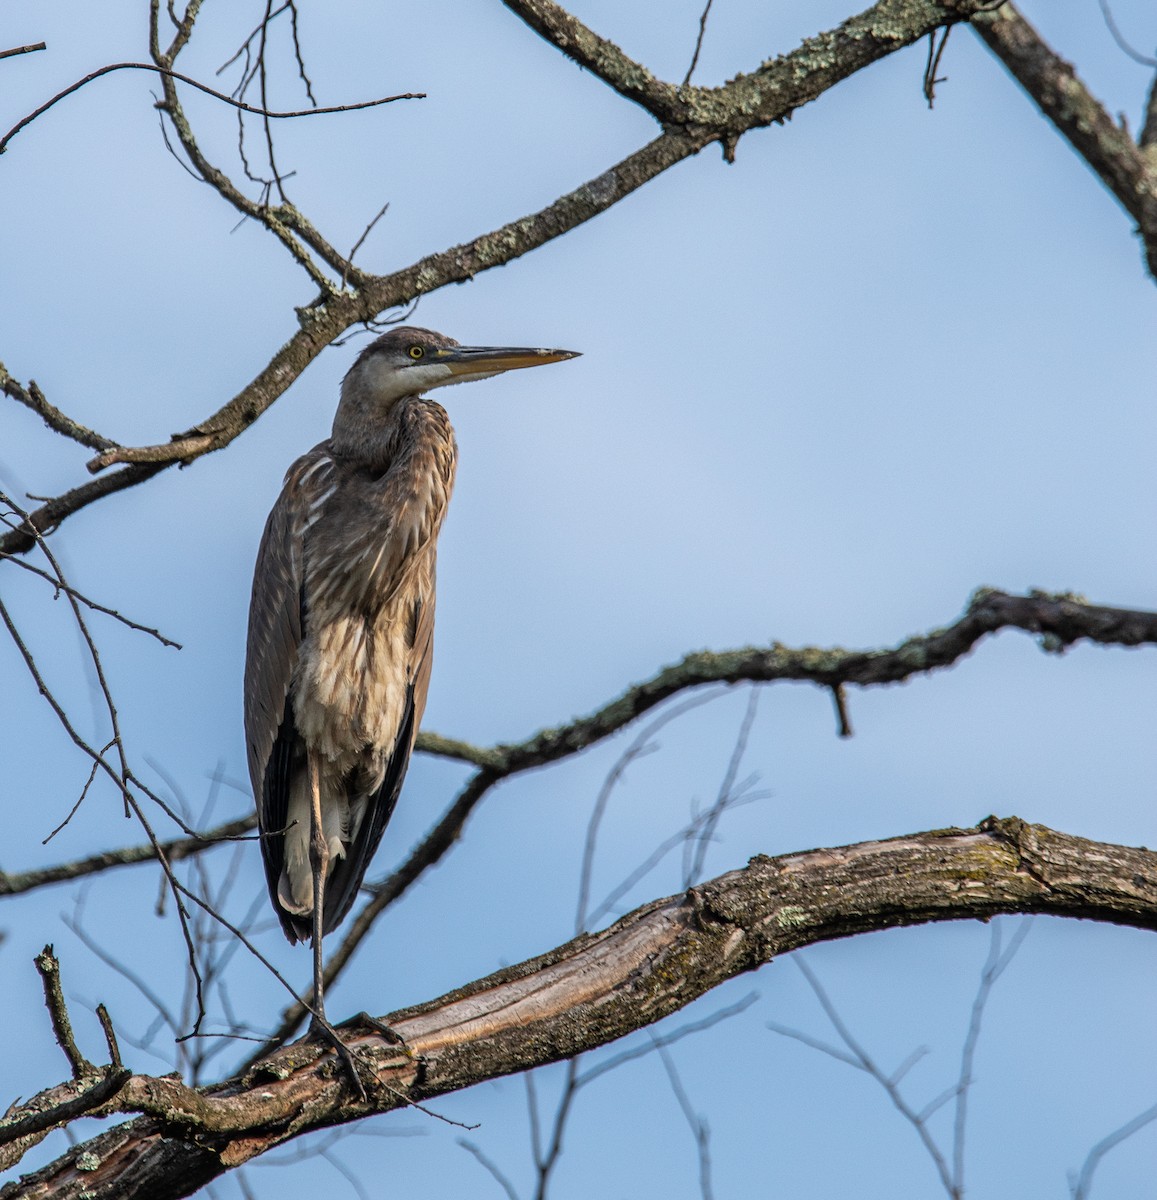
887,356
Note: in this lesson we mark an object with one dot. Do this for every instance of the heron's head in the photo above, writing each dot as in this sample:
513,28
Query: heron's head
408,361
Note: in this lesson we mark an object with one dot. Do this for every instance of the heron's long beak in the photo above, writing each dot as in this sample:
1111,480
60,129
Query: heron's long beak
490,360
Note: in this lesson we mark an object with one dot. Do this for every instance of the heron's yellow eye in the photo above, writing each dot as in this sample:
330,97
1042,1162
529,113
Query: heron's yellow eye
416,352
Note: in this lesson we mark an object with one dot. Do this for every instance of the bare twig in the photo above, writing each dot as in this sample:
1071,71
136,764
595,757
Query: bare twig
855,1055
24,49
640,746
700,1130
364,234
995,966
935,53
657,1040
1081,1183
1123,43
859,1057
110,1036
49,967
843,721
496,1174
698,42
32,397
268,114
62,586
698,842
13,884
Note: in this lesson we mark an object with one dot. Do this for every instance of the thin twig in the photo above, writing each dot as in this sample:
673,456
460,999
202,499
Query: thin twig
110,1036
698,43
995,966
175,850
61,586
606,1065
935,53
639,746
365,234
843,721
495,1173
1122,42
724,797
864,1061
240,105
697,1124
1080,1186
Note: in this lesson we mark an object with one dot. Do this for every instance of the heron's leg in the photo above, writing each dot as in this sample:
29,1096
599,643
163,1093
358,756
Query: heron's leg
319,864
319,1026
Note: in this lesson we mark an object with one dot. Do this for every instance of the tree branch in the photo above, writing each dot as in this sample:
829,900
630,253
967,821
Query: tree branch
31,49
1060,620
767,95
16,883
32,397
1124,167
598,988
693,118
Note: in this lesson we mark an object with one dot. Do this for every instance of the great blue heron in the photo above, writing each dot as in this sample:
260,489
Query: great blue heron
341,624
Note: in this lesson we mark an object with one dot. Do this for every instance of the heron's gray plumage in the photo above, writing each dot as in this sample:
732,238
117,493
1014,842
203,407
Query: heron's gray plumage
341,619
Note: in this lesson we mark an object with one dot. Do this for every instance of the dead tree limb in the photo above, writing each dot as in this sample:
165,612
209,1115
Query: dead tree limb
598,988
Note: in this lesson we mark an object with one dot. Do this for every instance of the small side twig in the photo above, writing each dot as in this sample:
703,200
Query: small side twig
110,1037
935,53
49,967
840,700
698,43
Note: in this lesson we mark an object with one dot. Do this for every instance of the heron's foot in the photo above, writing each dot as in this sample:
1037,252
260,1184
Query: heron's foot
321,1030
388,1032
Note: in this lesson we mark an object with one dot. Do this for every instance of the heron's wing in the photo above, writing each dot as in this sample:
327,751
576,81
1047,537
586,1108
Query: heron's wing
276,623
342,886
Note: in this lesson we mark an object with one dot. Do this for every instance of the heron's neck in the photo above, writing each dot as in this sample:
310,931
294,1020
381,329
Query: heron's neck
377,431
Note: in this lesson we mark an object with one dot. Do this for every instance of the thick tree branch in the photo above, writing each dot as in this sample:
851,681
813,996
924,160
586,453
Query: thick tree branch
1128,170
693,119
599,988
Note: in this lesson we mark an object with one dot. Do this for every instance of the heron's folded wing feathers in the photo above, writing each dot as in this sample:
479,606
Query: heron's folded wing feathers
276,622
